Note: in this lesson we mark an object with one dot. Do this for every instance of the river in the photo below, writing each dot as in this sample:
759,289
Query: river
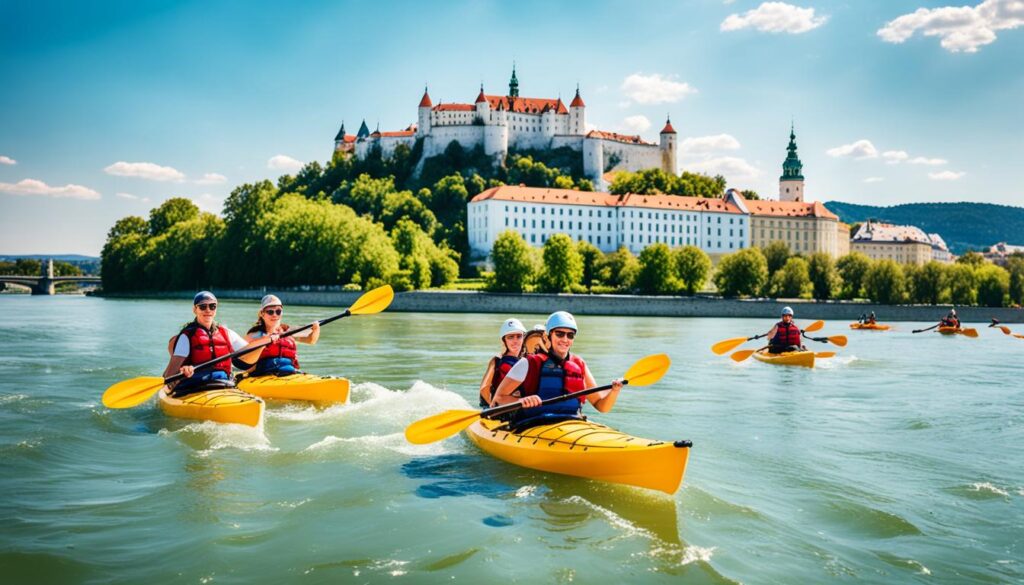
901,460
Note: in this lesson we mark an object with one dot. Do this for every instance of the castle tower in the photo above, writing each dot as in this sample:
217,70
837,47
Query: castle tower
339,139
791,183
364,131
668,147
483,107
423,121
513,84
577,115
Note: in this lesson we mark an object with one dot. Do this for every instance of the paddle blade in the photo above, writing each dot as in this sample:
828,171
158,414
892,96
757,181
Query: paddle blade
373,301
814,326
742,355
839,340
825,354
970,332
1004,329
1018,336
648,370
133,392
440,426
727,345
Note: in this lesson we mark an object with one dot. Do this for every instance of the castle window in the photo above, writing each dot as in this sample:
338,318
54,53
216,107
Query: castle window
506,221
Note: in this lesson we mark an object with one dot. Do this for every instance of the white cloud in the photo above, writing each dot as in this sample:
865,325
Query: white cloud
655,89
932,162
211,179
732,168
6,160
132,197
874,180
961,28
946,175
775,17
895,157
699,145
35,187
145,170
281,162
637,123
860,150
208,202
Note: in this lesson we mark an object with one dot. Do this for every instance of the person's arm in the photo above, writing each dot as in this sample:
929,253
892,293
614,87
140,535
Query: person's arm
311,335
485,384
515,377
771,334
251,357
602,401
178,355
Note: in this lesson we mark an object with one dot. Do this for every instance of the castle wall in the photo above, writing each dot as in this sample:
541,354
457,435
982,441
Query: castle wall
440,136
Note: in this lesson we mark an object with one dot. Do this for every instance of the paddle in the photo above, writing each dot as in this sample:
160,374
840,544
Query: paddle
839,340
129,393
644,372
928,329
825,354
972,332
727,345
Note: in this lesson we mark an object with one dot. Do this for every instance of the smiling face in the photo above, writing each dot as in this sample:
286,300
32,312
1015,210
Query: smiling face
513,343
205,312
272,316
787,318
561,340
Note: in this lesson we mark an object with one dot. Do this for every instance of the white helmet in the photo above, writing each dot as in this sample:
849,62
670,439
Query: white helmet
511,326
787,311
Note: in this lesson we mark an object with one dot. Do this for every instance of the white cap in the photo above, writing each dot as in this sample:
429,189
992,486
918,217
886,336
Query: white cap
511,326
270,301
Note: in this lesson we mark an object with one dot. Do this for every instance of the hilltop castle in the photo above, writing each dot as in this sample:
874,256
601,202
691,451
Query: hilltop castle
498,123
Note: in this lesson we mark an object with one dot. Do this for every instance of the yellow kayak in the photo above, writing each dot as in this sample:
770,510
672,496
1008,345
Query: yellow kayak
869,326
950,330
803,358
586,449
225,405
297,387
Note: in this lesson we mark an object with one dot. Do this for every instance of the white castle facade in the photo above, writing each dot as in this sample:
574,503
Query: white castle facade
500,123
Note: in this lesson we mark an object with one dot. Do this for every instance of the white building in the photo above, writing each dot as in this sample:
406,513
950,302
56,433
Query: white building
498,123
608,221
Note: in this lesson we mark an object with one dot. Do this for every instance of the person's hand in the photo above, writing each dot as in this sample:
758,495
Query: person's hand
274,337
616,385
530,401
316,327
187,371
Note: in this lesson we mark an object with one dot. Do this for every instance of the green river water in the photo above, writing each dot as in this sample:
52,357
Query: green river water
902,460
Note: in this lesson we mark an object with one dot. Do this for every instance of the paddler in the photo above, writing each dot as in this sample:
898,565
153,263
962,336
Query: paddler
511,334
785,335
279,357
203,340
535,341
540,376
950,320
872,319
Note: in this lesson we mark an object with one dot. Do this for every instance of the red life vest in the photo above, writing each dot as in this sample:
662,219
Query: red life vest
502,366
786,334
206,344
282,348
548,377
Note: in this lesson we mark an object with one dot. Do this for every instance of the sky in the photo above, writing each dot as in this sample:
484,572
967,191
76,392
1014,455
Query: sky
109,108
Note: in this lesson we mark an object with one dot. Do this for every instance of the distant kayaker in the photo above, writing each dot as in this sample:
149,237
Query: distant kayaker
950,320
785,335
280,357
535,341
203,340
511,334
541,376
872,319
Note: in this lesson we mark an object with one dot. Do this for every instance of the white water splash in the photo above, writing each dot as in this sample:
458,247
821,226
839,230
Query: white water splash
988,487
839,361
526,491
373,402
9,398
224,436
693,554
371,444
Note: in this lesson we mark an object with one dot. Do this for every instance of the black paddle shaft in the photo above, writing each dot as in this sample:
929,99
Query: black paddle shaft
928,329
820,339
514,406
246,350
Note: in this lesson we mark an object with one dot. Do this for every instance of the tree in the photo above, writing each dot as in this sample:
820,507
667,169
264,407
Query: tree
792,280
591,256
619,269
972,259
823,274
427,263
405,205
563,265
742,273
993,285
853,268
125,226
657,270
884,282
170,212
1015,266
776,254
928,284
177,258
750,194
244,208
650,181
963,285
514,264
692,267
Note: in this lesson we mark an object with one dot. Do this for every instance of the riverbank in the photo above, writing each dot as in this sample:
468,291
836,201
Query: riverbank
611,305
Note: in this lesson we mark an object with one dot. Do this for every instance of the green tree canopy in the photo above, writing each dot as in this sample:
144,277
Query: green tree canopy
514,264
993,285
1015,266
174,210
853,268
884,282
972,259
563,265
693,266
619,269
776,254
824,276
792,280
963,284
657,273
742,273
591,256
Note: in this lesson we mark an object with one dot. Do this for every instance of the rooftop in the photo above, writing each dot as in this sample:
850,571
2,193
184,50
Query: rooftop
595,198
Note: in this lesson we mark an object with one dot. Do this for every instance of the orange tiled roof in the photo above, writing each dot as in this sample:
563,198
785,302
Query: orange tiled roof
454,108
789,209
616,137
571,197
410,130
527,105
668,129
425,101
577,102
349,138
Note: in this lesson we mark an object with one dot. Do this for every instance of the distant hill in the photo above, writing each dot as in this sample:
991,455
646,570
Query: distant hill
964,226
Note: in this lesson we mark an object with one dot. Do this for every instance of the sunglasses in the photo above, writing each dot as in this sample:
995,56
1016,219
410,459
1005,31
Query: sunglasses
207,307
273,311
560,334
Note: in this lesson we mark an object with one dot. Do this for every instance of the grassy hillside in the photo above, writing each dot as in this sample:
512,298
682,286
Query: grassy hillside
964,226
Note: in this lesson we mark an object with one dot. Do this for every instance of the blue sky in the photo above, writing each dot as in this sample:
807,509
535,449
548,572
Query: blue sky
109,108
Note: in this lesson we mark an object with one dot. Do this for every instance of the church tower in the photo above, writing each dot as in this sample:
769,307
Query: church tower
513,84
668,147
791,183
423,114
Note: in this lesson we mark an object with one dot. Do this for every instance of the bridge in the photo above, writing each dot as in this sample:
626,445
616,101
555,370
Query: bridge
46,282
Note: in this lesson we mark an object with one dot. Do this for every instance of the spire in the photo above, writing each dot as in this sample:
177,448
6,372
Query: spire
792,168
668,129
363,130
577,102
513,84
480,97
341,133
425,100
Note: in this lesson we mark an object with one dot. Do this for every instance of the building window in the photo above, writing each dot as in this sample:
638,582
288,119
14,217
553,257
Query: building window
506,220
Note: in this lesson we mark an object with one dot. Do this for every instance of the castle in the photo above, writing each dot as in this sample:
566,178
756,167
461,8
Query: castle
498,123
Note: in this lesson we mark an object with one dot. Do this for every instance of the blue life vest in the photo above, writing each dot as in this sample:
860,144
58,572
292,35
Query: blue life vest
550,377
